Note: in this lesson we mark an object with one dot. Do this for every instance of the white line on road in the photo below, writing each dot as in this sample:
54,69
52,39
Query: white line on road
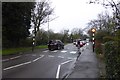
58,71
38,58
17,65
60,56
34,55
5,60
70,58
59,66
10,58
15,57
66,62
46,51
54,51
63,51
23,63
73,52
50,56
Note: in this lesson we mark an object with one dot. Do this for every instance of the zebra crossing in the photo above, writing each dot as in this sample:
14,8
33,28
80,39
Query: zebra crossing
63,51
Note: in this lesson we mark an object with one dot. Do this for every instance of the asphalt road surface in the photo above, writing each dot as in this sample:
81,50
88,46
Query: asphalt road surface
40,64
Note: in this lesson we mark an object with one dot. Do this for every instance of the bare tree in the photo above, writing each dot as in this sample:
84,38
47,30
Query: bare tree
41,13
115,6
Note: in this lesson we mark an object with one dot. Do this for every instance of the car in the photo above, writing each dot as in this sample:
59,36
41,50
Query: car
84,42
81,43
74,42
55,44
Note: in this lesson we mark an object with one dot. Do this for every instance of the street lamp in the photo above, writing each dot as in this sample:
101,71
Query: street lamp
93,35
93,30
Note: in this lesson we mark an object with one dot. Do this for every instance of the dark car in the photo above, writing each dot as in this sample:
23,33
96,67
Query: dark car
55,44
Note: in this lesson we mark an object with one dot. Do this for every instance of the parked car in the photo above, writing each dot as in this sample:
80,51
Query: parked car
55,44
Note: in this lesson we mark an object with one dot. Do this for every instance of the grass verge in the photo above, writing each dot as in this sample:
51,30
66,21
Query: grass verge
21,49
101,65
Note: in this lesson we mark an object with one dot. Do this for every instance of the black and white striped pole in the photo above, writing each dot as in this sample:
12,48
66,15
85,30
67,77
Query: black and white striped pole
33,41
93,37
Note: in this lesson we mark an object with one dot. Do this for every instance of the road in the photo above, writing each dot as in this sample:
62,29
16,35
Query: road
40,64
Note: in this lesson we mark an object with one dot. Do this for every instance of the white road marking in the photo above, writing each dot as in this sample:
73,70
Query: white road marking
50,56
63,51
59,66
66,62
23,63
15,57
60,56
34,55
54,51
46,51
5,60
38,58
73,52
70,58
11,58
58,71
17,65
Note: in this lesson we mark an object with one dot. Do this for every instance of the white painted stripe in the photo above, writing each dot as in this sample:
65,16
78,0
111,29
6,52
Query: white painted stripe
54,51
60,56
73,52
17,65
58,71
63,51
46,51
34,55
70,58
50,56
15,57
38,58
66,62
59,66
23,63
5,60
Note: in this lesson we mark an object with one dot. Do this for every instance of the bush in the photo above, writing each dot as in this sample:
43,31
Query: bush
112,60
98,47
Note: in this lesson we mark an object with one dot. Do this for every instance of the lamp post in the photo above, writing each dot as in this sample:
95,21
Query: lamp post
93,37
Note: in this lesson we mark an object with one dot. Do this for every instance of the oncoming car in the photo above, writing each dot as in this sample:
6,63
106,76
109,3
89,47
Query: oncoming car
55,44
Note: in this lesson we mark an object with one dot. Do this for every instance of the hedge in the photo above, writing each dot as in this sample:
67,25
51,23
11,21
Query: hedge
112,59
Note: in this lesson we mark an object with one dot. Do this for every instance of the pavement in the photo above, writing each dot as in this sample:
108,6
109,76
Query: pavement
86,66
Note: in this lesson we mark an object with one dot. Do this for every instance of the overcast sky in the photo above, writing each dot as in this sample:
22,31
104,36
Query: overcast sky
73,14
